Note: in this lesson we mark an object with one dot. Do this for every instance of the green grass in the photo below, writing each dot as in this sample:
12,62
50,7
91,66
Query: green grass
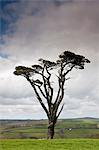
59,144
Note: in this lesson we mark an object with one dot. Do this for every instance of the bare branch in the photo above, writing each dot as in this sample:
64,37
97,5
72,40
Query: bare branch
45,84
60,81
38,96
67,78
42,92
69,70
60,111
49,85
58,93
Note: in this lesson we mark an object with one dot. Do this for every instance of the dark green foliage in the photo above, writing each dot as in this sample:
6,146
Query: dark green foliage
47,63
22,70
72,59
37,67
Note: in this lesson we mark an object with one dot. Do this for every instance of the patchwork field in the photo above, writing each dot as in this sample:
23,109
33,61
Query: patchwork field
64,144
37,129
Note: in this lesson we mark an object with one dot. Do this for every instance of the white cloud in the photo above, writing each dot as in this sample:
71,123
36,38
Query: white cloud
21,112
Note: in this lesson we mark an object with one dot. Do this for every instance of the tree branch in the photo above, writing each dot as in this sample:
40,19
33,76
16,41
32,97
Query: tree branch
68,70
42,92
60,111
57,94
38,97
59,81
49,85
45,83
59,100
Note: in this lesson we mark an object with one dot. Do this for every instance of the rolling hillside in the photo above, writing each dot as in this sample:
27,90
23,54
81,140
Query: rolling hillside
36,129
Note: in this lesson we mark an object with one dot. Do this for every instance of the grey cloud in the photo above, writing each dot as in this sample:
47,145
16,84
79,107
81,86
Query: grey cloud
3,55
79,108
46,34
17,101
83,83
21,89
21,112
53,31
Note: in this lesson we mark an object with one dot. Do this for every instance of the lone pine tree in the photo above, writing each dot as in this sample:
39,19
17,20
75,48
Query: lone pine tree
40,78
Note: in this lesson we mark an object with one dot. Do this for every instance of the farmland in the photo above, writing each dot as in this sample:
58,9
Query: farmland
37,129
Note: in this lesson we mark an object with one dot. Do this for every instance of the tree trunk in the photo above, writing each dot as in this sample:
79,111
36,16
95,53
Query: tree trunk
51,130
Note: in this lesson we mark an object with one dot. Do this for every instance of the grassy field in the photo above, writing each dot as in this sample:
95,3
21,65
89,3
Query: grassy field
56,144
37,129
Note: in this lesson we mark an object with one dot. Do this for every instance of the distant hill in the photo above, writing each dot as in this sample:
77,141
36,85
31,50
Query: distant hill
65,128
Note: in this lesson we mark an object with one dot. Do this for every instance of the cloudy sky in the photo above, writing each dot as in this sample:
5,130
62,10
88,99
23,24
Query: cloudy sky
31,29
